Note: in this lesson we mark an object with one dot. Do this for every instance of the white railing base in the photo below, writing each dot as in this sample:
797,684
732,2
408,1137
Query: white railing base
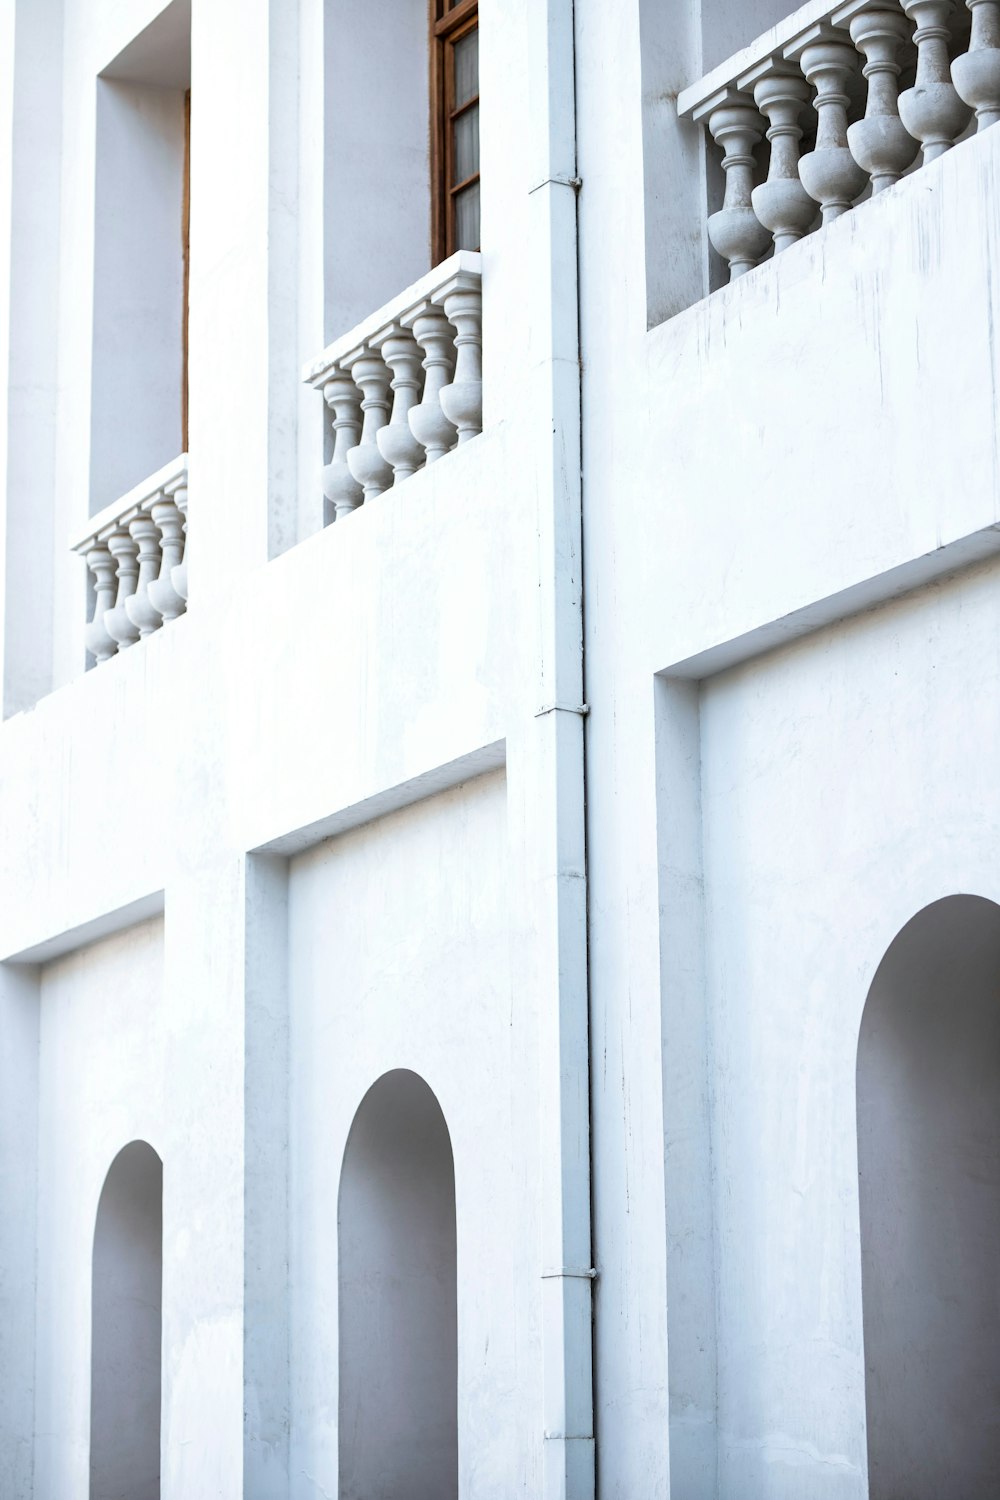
808,64
135,549
405,386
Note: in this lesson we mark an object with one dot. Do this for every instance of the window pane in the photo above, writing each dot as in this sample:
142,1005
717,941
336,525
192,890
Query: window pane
467,217
466,139
466,56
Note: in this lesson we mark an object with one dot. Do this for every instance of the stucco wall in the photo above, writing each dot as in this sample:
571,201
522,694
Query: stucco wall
838,801
770,460
399,958
368,667
101,1085
759,464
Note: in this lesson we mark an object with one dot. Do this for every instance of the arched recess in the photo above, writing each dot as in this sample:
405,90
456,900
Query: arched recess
397,1298
126,1323
928,1097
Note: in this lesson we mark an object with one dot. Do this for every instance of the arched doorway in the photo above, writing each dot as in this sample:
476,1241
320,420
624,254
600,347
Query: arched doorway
397,1298
126,1322
928,1095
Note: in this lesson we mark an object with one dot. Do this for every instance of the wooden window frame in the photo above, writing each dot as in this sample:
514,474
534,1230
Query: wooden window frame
186,253
446,28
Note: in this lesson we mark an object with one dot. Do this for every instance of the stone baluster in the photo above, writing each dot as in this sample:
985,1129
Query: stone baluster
116,621
161,593
829,173
735,230
340,487
976,73
781,203
428,423
179,572
931,110
99,643
880,143
365,461
396,442
140,610
462,400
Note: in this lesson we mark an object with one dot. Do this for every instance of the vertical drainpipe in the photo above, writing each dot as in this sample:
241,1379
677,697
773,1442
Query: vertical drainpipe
567,1284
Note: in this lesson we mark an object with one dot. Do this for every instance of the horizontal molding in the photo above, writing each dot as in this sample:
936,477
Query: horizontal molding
171,477
479,762
464,263
951,558
116,920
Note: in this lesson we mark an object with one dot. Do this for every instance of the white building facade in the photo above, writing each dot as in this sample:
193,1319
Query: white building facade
499,898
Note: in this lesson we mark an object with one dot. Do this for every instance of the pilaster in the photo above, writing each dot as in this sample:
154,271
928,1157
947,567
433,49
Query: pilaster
18,1189
27,473
243,299
205,974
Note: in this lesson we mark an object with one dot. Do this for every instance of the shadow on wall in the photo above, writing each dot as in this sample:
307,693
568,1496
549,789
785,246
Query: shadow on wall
375,243
678,44
126,1323
398,1291
139,372
928,1087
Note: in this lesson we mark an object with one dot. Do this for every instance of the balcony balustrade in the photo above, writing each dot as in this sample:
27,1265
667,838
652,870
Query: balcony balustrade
405,386
829,78
135,550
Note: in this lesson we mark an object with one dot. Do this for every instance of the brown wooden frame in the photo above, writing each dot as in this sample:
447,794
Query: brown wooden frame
186,253
447,26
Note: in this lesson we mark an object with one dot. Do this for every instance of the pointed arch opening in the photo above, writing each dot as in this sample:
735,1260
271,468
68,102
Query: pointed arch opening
398,1298
126,1312
928,1100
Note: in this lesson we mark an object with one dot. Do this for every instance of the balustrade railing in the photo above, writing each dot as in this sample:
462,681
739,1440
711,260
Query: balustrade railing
405,386
135,550
829,77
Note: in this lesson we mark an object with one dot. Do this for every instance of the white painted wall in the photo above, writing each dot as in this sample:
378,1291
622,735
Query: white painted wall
18,1187
752,467
412,665
398,958
764,463
799,905
101,1086
30,267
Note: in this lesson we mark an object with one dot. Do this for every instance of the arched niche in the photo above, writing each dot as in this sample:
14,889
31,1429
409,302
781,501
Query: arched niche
397,1298
928,1099
126,1323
